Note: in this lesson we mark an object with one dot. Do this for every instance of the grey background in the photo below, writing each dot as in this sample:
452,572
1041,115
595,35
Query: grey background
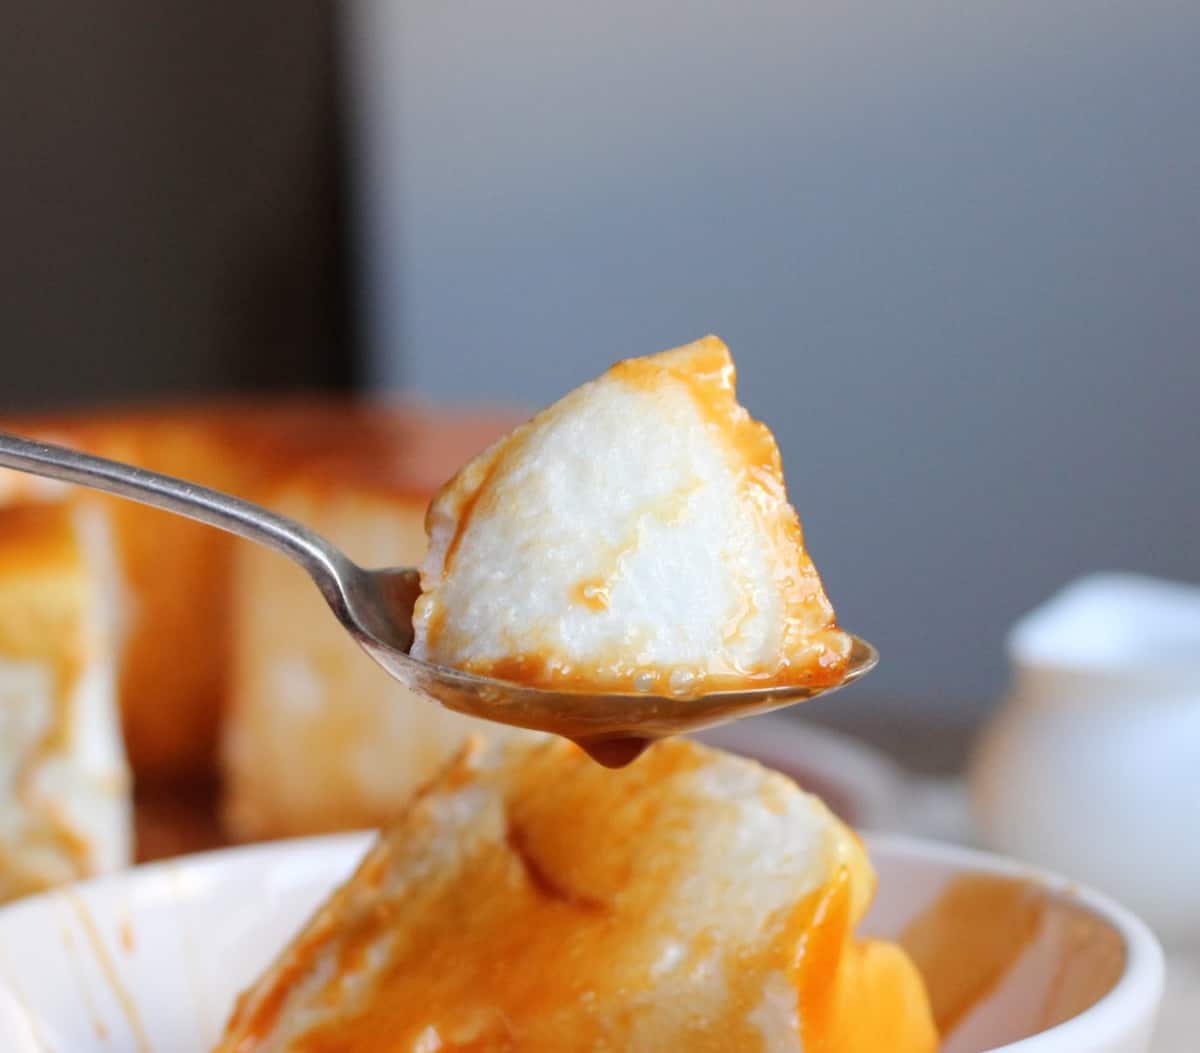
954,247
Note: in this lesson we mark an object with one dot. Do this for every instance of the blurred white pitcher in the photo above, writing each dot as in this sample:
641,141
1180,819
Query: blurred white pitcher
1092,765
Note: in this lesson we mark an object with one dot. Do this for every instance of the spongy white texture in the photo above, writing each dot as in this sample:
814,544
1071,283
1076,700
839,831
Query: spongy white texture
615,537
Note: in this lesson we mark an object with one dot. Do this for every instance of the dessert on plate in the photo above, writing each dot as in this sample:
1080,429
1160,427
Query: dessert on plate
635,536
531,900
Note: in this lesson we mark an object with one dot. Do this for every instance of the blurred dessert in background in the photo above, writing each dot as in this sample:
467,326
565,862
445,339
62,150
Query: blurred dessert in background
317,736
634,536
64,785
217,642
531,900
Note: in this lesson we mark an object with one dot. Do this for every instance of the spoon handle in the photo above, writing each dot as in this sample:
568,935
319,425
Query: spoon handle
325,564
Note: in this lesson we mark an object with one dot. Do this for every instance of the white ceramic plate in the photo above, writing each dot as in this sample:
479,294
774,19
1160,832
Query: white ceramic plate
150,961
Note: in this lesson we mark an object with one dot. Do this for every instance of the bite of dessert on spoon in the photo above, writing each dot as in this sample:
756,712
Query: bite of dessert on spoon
623,567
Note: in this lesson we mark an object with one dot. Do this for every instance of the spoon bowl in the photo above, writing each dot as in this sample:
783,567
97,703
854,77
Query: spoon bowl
376,608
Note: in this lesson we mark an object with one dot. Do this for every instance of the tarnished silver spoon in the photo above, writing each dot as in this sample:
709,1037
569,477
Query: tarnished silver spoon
376,607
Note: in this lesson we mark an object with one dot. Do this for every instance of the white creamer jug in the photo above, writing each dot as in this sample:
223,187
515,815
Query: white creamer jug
1092,765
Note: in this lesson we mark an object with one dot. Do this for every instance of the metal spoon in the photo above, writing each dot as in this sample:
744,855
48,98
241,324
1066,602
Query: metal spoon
376,606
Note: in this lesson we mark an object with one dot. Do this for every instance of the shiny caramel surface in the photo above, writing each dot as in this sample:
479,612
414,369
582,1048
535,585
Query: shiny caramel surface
546,904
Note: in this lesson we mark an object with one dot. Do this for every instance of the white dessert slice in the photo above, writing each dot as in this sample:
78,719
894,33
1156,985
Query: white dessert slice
636,535
64,786
531,900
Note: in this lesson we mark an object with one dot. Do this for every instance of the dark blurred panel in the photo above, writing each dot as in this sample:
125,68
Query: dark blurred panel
170,200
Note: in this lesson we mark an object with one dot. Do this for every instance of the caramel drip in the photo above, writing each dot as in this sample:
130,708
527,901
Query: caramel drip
92,1010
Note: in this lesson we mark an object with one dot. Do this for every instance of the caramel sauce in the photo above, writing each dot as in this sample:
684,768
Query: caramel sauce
592,593
532,940
108,968
613,672
970,939
613,753
484,469
595,591
854,996
708,372
91,1009
1091,965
